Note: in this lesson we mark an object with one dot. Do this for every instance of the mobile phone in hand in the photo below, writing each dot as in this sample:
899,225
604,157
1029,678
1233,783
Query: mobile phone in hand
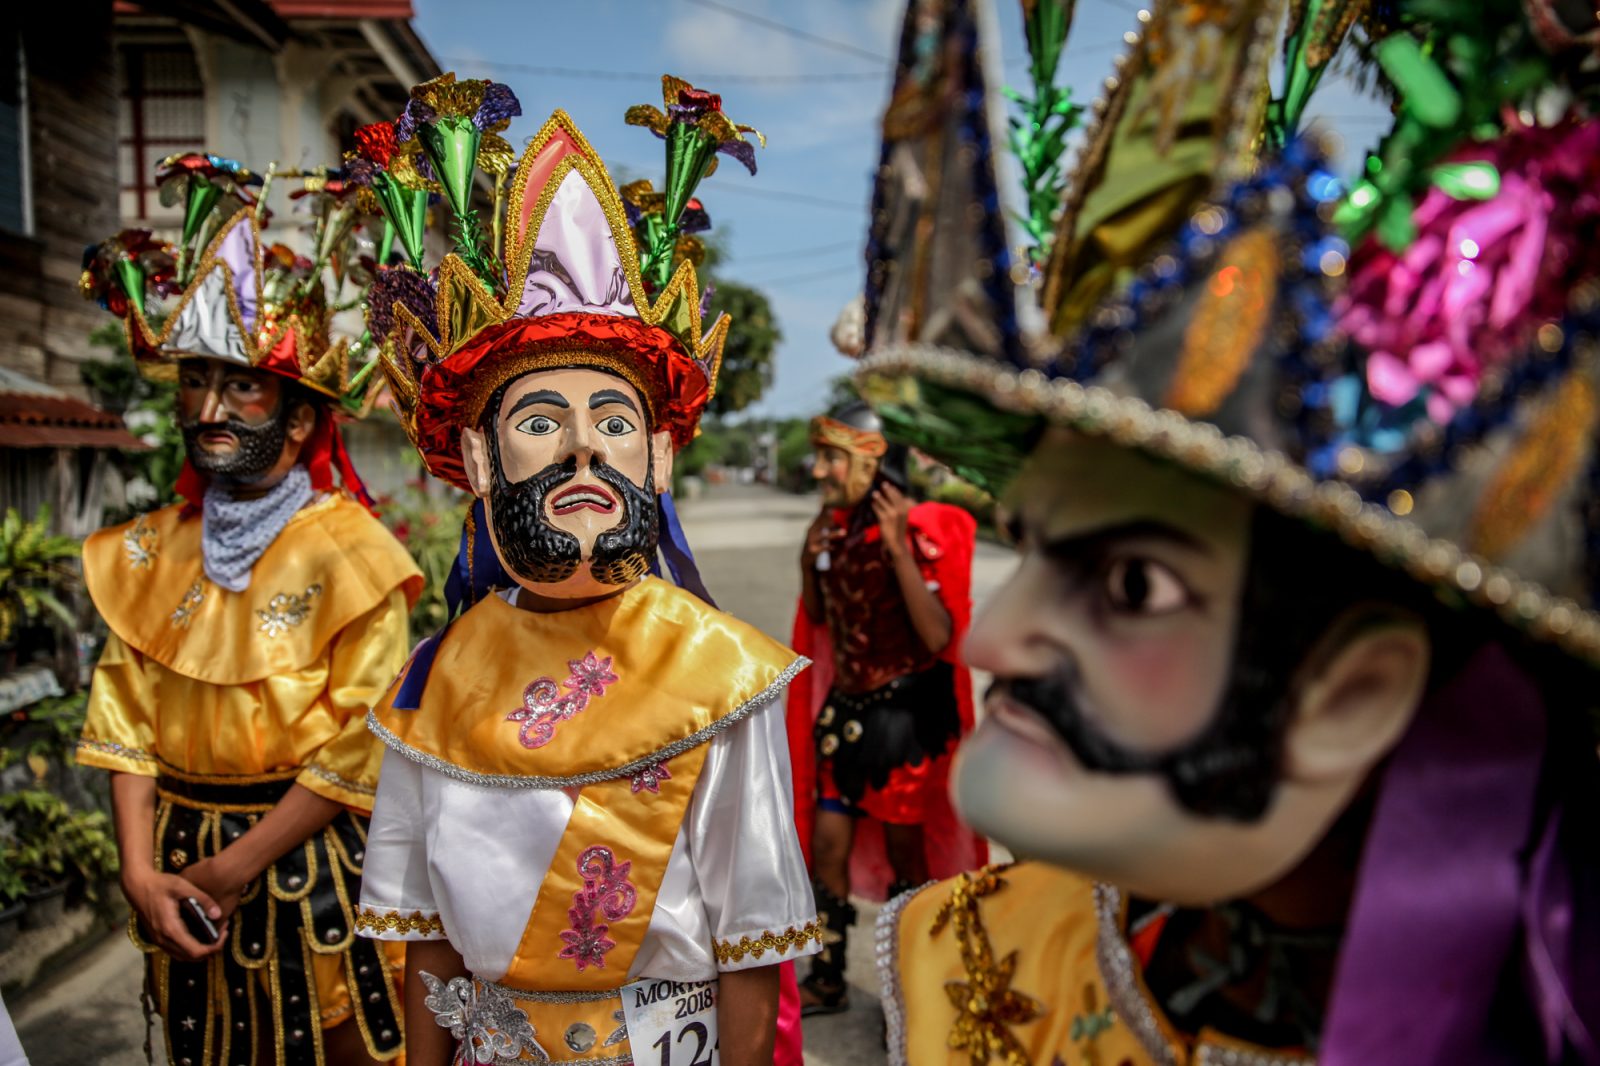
200,926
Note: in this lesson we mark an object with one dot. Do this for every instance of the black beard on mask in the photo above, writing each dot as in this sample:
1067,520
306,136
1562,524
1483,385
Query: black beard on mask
538,552
1297,583
260,447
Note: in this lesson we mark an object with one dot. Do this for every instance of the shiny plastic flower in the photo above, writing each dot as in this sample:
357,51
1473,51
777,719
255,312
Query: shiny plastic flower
120,268
1483,273
409,288
174,175
486,106
688,107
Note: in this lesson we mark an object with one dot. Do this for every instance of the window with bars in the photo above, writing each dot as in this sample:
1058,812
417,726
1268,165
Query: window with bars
162,112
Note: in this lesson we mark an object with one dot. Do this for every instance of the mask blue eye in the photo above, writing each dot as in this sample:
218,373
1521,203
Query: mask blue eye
538,425
615,426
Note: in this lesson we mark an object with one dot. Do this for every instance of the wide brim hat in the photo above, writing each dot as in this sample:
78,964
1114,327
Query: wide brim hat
577,300
1214,325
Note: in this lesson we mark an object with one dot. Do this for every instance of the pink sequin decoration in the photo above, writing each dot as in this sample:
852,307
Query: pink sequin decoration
1482,275
544,704
606,892
649,779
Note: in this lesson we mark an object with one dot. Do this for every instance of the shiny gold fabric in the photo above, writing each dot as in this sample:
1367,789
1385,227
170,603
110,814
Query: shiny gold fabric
640,826
1007,959
248,687
330,565
680,667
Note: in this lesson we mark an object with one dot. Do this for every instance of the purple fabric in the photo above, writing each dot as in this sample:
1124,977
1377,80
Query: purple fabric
1549,918
240,250
1438,904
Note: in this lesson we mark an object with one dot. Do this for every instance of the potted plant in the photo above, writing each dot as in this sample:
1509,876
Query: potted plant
37,575
90,849
12,888
38,854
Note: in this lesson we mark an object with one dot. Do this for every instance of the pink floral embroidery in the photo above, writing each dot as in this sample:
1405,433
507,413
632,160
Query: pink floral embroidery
544,704
607,890
649,779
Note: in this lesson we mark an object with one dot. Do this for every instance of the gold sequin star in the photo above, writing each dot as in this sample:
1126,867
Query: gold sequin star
985,1003
985,1006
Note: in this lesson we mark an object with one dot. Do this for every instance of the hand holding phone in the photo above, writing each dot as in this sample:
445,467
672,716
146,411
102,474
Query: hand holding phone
200,926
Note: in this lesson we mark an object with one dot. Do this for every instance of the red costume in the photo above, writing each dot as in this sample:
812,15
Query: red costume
867,642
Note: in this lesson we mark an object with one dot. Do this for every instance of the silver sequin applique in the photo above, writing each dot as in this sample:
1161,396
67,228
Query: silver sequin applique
184,614
491,1027
287,610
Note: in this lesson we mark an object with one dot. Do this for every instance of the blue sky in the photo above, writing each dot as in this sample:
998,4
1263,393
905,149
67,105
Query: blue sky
795,230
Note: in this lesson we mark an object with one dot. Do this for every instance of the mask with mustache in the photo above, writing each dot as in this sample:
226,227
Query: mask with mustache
1232,767
539,553
259,448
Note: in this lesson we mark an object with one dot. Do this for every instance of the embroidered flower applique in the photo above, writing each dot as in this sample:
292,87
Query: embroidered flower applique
544,704
606,892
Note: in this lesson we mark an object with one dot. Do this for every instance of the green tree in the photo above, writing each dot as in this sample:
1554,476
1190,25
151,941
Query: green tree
747,356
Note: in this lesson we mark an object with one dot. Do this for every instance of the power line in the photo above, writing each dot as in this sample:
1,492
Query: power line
799,253
793,279
791,31
640,75
1126,5
761,192
744,188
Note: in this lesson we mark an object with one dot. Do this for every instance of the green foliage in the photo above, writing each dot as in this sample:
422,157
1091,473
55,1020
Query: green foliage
61,721
149,408
35,855
37,573
794,445
747,356
428,522
44,838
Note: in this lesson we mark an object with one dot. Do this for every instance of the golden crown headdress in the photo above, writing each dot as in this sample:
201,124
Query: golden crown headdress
567,288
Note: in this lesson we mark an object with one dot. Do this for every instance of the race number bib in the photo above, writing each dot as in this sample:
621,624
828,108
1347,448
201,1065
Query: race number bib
672,1023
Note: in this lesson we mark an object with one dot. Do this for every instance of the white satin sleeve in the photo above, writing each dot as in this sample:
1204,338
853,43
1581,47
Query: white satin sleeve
745,851
397,901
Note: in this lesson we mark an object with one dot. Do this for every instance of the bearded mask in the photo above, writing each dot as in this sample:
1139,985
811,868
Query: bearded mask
569,479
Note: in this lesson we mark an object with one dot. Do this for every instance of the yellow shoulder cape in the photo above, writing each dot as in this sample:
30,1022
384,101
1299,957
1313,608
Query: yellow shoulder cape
331,564
617,687
1029,964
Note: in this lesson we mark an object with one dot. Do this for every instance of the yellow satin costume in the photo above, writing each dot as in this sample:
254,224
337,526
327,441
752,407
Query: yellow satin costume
599,748
1029,965
228,698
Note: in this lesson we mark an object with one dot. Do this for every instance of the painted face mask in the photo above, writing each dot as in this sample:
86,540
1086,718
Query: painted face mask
850,448
538,552
258,450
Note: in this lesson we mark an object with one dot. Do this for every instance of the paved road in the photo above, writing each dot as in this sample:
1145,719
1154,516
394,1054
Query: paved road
747,540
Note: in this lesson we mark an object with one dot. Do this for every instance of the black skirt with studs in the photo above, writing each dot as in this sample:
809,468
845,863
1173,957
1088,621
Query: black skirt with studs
866,736
260,990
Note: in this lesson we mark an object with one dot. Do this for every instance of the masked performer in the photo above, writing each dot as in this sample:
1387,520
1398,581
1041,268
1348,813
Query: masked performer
252,628
1294,679
885,599
583,821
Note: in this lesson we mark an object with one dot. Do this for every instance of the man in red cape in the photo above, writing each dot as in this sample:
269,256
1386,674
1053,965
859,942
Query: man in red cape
885,600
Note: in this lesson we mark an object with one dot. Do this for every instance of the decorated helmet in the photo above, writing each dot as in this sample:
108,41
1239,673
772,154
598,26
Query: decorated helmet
223,293
227,294
1408,360
569,286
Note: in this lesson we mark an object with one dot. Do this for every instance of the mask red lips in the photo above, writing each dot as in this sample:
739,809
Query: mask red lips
575,498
